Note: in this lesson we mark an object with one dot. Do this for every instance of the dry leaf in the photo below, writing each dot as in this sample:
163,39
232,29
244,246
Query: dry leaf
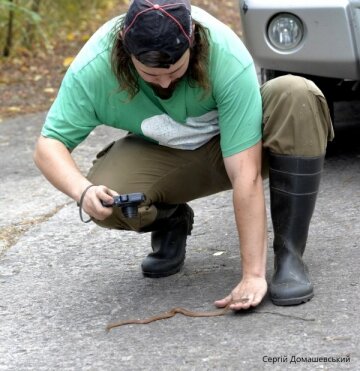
49,90
14,109
85,37
67,61
70,37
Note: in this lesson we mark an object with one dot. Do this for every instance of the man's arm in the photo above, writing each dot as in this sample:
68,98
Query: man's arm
244,170
56,163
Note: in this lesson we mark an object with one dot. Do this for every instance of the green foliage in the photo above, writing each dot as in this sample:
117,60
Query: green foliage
17,7
32,24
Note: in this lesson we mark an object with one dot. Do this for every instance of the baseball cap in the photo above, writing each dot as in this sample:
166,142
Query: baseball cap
158,25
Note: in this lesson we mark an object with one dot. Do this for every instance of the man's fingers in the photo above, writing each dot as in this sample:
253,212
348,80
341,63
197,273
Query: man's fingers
104,194
257,300
236,304
223,302
112,193
244,302
248,293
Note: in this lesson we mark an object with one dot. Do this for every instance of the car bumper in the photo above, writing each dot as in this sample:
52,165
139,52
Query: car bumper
331,43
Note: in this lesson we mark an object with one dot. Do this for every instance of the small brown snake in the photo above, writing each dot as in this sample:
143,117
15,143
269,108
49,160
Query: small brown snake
172,312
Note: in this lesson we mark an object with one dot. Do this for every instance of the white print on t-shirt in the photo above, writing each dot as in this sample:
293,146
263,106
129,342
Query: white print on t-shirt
191,135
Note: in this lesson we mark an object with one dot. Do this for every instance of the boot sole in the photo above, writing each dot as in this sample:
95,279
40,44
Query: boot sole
292,301
163,274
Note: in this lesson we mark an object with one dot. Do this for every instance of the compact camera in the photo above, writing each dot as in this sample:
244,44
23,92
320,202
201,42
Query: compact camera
128,203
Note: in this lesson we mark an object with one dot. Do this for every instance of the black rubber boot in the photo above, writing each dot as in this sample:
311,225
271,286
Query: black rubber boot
294,184
168,241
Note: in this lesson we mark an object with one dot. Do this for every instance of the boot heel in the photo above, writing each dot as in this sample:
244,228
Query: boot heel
190,221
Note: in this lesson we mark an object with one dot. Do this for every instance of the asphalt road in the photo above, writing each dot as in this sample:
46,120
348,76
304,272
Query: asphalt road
62,282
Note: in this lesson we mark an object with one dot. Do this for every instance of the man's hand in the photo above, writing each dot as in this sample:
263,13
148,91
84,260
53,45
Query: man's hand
92,202
251,288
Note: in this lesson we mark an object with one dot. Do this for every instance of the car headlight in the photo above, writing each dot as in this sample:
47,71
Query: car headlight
285,31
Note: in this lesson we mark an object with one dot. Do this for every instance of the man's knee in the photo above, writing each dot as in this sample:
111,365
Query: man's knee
296,117
289,87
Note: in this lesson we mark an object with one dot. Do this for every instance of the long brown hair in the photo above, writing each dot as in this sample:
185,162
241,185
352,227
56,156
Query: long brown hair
124,70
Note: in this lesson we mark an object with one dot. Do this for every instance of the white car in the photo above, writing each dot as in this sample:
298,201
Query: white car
318,39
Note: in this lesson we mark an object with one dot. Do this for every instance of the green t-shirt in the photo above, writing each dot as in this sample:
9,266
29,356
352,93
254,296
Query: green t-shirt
89,96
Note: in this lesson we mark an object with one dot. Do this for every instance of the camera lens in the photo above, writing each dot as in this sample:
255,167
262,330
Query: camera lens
130,211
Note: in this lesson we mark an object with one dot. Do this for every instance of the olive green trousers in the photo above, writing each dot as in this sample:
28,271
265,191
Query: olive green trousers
296,122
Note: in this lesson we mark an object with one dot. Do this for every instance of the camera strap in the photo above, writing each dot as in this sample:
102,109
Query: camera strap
81,202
